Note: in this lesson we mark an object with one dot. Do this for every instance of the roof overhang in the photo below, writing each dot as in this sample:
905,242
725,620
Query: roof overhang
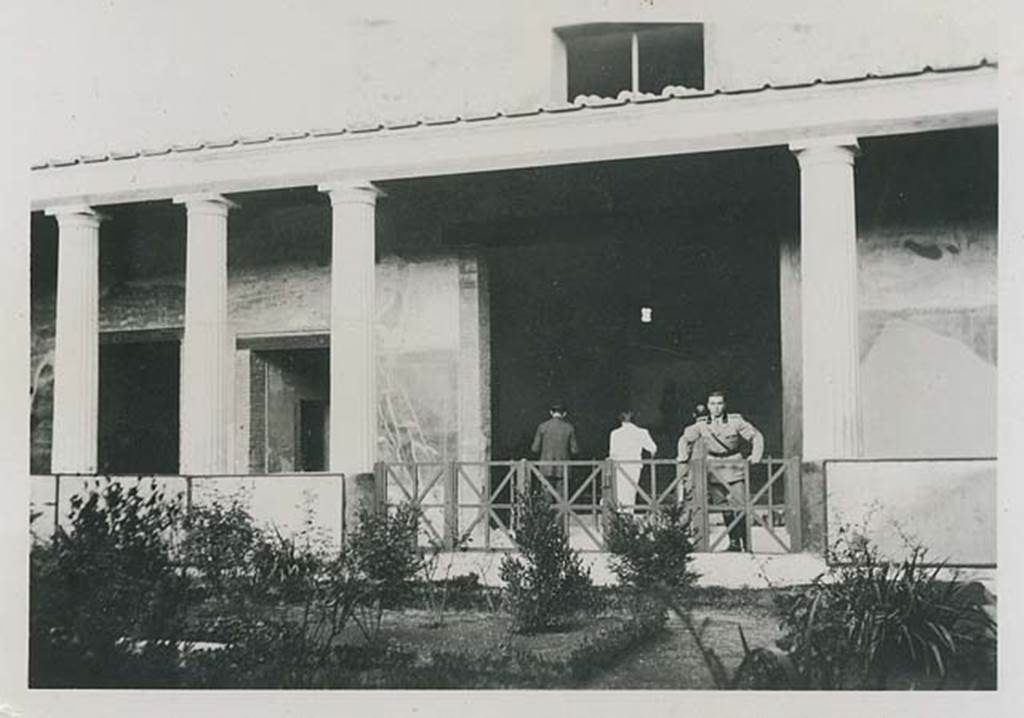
569,134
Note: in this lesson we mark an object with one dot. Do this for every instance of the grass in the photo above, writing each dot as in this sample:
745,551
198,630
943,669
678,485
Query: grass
673,662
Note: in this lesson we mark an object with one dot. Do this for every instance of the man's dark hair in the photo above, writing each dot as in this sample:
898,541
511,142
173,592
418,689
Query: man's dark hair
626,415
557,406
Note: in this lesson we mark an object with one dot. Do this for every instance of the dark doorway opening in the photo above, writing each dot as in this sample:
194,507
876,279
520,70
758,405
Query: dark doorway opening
645,313
289,400
139,407
312,435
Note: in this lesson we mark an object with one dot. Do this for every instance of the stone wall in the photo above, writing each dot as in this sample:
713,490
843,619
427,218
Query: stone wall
425,339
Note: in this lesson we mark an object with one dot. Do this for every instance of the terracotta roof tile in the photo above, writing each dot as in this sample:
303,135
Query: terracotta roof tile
221,144
361,127
585,103
256,140
481,116
290,136
329,132
406,124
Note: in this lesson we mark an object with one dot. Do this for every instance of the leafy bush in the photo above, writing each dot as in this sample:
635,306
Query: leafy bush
867,620
220,543
105,586
381,552
383,549
284,611
652,552
284,633
546,585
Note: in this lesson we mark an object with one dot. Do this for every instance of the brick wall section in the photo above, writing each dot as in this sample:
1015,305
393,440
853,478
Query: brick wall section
257,415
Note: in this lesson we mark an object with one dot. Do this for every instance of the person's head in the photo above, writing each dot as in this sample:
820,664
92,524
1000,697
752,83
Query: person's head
557,409
625,416
700,412
716,404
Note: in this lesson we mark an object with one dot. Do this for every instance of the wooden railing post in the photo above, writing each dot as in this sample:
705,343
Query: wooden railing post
794,515
607,497
699,480
451,506
56,504
380,487
188,496
748,506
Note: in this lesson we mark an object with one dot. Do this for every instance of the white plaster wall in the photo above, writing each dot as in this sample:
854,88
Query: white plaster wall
928,354
152,73
947,506
43,491
295,505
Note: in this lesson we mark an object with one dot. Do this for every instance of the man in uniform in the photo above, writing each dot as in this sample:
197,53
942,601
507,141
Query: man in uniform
555,440
719,436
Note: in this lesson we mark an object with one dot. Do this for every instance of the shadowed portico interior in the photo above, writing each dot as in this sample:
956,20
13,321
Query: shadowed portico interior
498,292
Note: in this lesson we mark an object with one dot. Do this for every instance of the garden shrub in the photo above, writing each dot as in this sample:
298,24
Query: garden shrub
103,587
382,552
220,544
546,585
652,552
866,621
284,612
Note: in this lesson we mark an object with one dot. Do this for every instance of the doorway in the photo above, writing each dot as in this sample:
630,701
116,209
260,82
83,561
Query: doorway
289,404
139,407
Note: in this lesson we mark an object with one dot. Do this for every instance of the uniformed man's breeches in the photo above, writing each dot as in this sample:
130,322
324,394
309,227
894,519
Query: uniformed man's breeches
734,493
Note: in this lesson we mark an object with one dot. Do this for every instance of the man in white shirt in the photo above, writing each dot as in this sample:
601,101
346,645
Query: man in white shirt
627,444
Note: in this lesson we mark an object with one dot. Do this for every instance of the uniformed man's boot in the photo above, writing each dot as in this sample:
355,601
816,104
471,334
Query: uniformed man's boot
735,545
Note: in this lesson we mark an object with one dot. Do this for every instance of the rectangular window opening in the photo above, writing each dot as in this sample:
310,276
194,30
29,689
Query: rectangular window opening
604,59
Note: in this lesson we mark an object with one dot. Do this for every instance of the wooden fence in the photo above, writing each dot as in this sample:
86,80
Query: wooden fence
470,505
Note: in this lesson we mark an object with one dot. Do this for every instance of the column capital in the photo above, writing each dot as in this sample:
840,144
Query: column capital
76,214
826,150
352,192
205,203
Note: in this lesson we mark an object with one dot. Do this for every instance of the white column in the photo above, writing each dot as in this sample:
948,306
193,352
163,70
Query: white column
828,271
206,416
76,361
353,415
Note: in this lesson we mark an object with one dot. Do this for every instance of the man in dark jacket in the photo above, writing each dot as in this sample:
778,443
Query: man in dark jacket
555,440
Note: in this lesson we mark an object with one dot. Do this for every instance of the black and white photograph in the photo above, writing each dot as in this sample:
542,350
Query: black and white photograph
482,348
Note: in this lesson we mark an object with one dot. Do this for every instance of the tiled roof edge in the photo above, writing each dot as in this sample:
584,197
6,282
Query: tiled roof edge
586,103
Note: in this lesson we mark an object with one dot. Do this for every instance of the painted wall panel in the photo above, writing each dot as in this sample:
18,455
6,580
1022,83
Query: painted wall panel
947,506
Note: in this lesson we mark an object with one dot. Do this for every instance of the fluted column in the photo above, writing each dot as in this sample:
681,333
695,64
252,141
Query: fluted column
76,360
828,271
206,351
353,413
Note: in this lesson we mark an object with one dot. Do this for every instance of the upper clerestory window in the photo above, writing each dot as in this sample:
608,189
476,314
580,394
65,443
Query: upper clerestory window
606,58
